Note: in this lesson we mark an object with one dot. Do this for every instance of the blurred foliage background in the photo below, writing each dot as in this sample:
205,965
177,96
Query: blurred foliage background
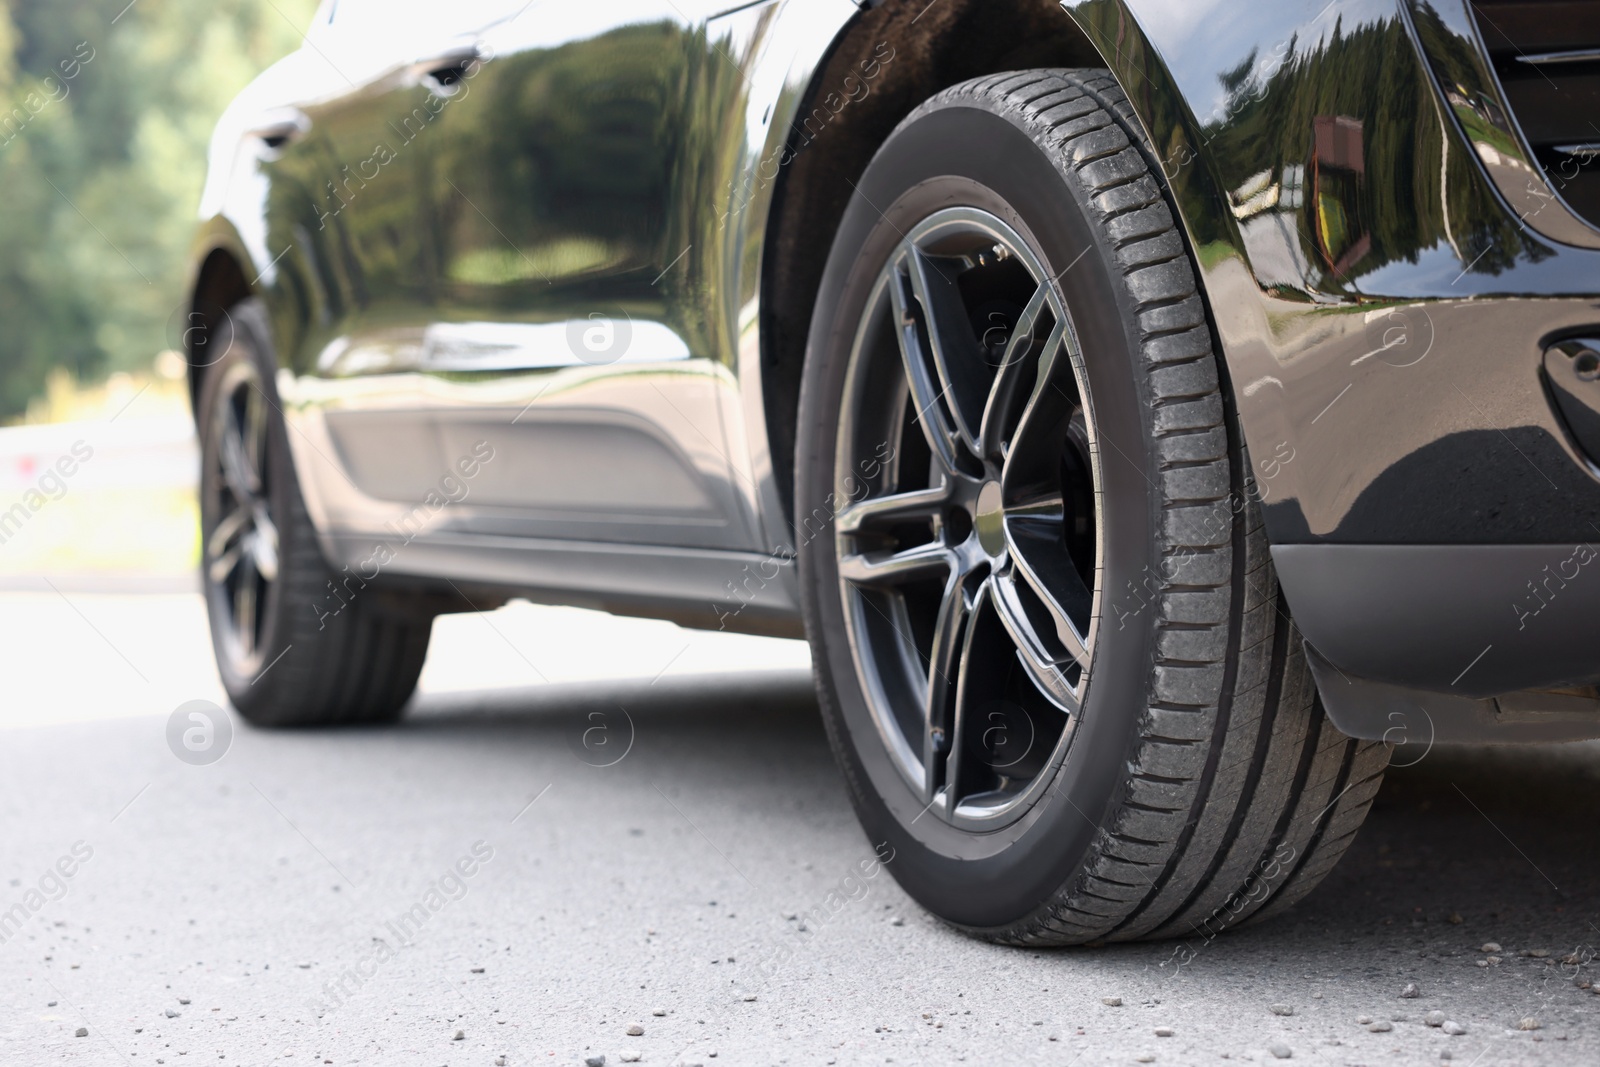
106,110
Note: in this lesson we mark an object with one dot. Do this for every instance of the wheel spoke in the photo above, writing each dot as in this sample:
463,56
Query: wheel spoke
926,389
227,531
264,546
1049,362
242,554
1033,544
1013,371
943,680
236,469
1040,664
895,507
223,565
244,605
895,568
963,697
957,358
255,434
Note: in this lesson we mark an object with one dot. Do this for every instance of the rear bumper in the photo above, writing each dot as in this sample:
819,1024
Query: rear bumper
1466,620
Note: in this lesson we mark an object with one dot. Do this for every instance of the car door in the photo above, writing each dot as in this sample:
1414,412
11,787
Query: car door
350,245
349,177
552,190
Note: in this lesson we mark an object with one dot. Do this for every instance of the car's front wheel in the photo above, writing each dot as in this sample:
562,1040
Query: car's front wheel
1051,651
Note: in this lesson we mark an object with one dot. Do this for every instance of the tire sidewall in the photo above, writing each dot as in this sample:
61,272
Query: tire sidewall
995,880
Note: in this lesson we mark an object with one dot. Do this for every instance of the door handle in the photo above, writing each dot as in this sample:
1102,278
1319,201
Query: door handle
280,126
444,73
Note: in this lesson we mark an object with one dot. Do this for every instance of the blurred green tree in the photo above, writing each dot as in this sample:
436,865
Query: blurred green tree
106,110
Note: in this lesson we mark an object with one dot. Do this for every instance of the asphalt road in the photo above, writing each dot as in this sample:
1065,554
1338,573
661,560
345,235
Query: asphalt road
471,885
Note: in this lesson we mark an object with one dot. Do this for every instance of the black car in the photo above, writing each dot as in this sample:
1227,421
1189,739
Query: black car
1155,414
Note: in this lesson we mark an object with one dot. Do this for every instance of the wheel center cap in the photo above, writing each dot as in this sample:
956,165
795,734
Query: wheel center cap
989,519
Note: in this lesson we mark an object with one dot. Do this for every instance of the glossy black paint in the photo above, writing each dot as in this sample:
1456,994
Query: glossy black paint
1572,370
548,175
1385,262
1385,326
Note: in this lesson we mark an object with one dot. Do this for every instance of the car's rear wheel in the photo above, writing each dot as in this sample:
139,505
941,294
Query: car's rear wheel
296,643
1051,651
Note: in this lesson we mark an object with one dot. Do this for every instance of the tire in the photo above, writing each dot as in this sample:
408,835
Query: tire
312,648
1064,689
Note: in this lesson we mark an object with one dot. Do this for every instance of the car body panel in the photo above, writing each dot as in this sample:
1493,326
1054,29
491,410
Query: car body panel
1387,374
425,302
1414,476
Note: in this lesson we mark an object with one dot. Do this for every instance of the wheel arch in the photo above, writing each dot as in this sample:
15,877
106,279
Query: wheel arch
934,47
219,283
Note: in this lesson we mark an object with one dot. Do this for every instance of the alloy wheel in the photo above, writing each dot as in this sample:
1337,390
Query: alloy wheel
968,530
241,543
